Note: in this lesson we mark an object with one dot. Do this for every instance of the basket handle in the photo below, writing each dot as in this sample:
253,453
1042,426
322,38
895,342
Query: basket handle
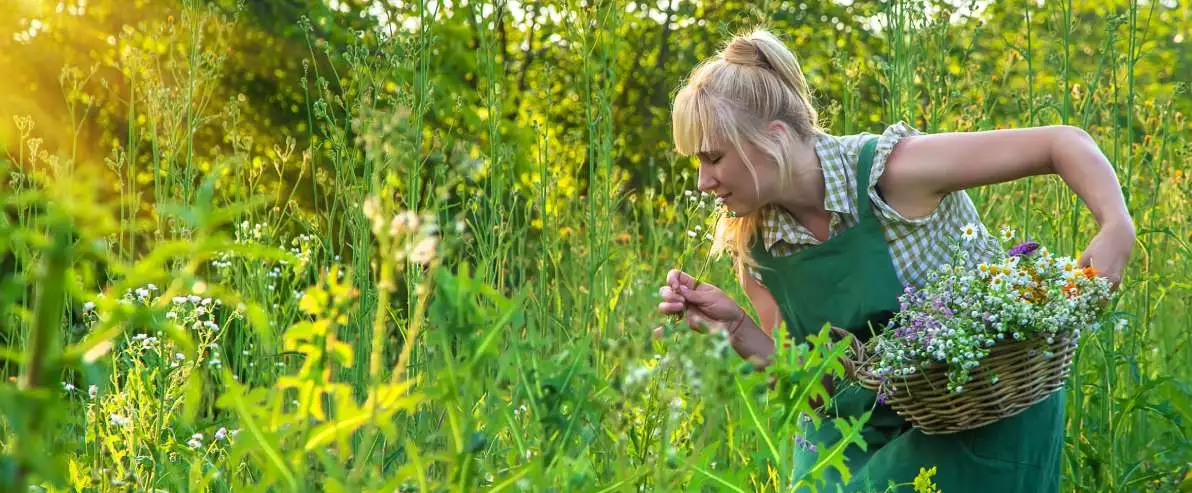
851,364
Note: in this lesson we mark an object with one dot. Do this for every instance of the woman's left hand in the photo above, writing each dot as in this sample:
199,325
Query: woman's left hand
1109,251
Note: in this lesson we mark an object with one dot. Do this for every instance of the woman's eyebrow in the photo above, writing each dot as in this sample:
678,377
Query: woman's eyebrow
707,154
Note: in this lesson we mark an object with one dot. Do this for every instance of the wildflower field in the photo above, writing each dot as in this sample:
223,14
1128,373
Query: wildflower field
360,245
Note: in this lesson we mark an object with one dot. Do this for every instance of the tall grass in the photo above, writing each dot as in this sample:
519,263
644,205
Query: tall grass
398,312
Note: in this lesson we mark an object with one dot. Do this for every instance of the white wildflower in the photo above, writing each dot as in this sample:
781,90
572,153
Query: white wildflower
1007,233
424,251
969,231
403,222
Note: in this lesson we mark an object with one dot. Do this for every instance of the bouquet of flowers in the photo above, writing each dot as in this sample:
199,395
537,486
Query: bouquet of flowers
963,313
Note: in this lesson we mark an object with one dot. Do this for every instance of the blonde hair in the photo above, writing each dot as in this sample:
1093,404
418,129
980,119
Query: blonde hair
729,99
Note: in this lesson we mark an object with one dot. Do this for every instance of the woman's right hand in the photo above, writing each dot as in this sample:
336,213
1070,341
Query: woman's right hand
707,308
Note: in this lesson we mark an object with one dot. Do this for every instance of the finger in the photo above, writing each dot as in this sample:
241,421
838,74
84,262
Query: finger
669,307
1085,260
669,295
696,296
659,332
677,278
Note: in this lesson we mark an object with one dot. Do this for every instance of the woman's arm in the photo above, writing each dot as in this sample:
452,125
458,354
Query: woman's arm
762,301
922,169
749,340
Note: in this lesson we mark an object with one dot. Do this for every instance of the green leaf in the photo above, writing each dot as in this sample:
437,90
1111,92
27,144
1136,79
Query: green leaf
497,328
833,456
720,480
12,355
747,399
512,480
266,448
193,396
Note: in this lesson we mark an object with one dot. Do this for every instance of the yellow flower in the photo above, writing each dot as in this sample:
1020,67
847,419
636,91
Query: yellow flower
923,482
984,269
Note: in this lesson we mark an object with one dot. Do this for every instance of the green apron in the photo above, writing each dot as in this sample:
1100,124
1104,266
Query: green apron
850,282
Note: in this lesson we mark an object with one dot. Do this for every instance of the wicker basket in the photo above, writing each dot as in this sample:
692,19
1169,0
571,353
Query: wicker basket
1025,377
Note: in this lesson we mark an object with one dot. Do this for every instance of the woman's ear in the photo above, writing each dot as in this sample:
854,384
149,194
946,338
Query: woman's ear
778,128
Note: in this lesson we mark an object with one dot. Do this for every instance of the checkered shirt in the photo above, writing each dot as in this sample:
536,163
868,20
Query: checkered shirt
917,245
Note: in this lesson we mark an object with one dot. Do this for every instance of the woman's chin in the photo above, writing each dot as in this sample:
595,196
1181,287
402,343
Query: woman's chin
738,208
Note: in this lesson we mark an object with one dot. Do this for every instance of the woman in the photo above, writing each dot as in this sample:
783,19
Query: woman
831,229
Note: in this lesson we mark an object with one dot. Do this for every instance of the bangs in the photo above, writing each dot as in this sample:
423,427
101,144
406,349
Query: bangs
697,126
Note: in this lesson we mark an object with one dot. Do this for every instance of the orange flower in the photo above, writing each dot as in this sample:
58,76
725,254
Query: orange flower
1070,290
1089,272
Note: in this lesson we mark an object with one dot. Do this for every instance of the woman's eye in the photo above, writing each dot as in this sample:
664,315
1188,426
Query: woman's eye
717,159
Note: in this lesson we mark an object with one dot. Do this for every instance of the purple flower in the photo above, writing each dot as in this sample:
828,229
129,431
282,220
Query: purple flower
1023,249
937,304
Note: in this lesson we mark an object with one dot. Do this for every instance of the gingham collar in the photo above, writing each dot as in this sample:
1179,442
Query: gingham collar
779,225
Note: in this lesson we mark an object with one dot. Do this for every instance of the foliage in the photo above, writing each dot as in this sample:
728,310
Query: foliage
495,183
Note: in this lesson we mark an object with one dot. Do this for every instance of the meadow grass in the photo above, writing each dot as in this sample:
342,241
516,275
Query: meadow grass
484,324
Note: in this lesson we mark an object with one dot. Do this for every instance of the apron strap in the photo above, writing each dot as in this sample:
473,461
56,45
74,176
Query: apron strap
864,165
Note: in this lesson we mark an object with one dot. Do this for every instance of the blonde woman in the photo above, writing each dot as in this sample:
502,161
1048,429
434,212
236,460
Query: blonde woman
832,228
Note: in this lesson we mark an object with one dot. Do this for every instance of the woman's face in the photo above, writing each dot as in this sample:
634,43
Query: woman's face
722,172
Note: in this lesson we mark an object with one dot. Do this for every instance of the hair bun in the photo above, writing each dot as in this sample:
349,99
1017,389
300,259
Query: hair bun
743,51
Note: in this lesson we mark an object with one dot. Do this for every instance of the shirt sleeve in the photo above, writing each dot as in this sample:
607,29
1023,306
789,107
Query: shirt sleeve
885,146
954,210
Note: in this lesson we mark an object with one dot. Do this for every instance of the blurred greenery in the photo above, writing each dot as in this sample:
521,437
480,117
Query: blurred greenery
209,166
121,57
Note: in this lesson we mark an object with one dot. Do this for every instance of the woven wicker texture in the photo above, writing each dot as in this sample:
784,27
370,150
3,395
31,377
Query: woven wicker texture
1025,377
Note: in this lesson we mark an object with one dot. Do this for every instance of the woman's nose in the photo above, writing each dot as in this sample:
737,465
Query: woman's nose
706,181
